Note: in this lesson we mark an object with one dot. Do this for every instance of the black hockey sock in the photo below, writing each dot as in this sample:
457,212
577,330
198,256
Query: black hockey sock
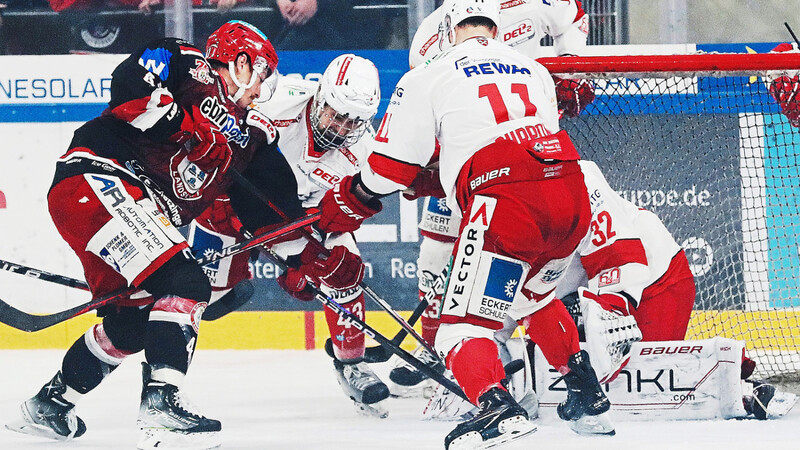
82,370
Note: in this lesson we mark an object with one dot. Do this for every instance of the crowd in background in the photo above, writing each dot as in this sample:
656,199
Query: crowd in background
119,26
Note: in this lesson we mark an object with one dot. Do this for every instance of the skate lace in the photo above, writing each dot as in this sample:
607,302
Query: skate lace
360,376
185,405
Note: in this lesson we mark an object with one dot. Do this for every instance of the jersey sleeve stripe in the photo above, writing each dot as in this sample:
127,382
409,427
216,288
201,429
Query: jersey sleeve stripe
400,172
621,252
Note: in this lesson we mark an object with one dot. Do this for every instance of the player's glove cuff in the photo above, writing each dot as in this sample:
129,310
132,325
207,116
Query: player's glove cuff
342,211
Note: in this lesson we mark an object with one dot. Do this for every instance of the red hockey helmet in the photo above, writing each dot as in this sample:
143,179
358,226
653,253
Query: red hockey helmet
237,37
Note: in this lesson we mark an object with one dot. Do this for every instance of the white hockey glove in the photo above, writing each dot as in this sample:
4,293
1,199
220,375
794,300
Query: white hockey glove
609,336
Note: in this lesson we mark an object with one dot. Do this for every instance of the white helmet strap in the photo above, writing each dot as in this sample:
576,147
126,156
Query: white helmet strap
241,87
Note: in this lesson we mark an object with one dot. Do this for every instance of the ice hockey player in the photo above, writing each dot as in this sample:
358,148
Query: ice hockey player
629,281
177,123
784,86
513,248
324,127
523,24
629,273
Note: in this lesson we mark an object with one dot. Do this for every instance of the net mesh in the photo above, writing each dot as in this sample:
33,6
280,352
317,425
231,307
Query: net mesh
709,152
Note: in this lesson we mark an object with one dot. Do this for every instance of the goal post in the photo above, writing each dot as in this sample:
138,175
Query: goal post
699,140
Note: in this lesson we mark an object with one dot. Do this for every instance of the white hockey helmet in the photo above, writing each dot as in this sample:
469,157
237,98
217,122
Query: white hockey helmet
347,100
456,11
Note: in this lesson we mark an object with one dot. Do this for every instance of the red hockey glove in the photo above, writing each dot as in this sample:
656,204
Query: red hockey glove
785,89
425,184
210,149
294,282
340,270
342,211
573,95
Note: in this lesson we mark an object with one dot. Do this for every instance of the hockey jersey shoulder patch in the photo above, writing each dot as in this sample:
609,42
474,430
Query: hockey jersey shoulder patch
258,120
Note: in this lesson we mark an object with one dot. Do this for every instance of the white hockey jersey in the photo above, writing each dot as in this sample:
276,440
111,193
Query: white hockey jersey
627,248
523,23
315,172
473,94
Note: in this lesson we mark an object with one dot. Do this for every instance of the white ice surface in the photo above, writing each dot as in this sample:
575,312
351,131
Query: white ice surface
272,399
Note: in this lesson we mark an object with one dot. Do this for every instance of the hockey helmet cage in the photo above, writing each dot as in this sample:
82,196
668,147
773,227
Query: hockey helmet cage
236,37
456,11
350,86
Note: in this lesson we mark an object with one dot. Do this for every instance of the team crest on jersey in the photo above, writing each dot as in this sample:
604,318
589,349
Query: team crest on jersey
188,180
201,72
482,40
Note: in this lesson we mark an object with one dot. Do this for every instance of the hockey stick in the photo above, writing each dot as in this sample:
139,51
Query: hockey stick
245,183
371,332
791,32
33,322
42,275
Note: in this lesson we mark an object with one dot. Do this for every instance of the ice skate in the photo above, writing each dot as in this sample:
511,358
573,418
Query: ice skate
362,385
586,407
767,402
500,419
167,420
410,382
48,415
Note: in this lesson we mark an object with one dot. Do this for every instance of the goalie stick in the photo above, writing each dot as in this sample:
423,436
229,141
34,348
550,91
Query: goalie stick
371,332
33,322
245,183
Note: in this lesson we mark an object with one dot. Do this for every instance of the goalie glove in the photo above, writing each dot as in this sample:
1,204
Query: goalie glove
610,333
573,95
784,87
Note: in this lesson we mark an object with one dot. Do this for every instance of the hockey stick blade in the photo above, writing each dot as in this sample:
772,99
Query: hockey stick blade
362,326
379,353
24,321
21,320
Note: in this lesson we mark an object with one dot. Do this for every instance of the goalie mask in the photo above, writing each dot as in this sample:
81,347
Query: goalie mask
456,11
347,100
237,37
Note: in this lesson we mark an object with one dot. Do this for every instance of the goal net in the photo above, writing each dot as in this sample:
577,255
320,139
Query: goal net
698,140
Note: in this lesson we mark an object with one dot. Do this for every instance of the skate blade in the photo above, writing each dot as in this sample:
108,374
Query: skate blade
162,439
26,425
33,429
781,404
374,410
510,429
593,425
